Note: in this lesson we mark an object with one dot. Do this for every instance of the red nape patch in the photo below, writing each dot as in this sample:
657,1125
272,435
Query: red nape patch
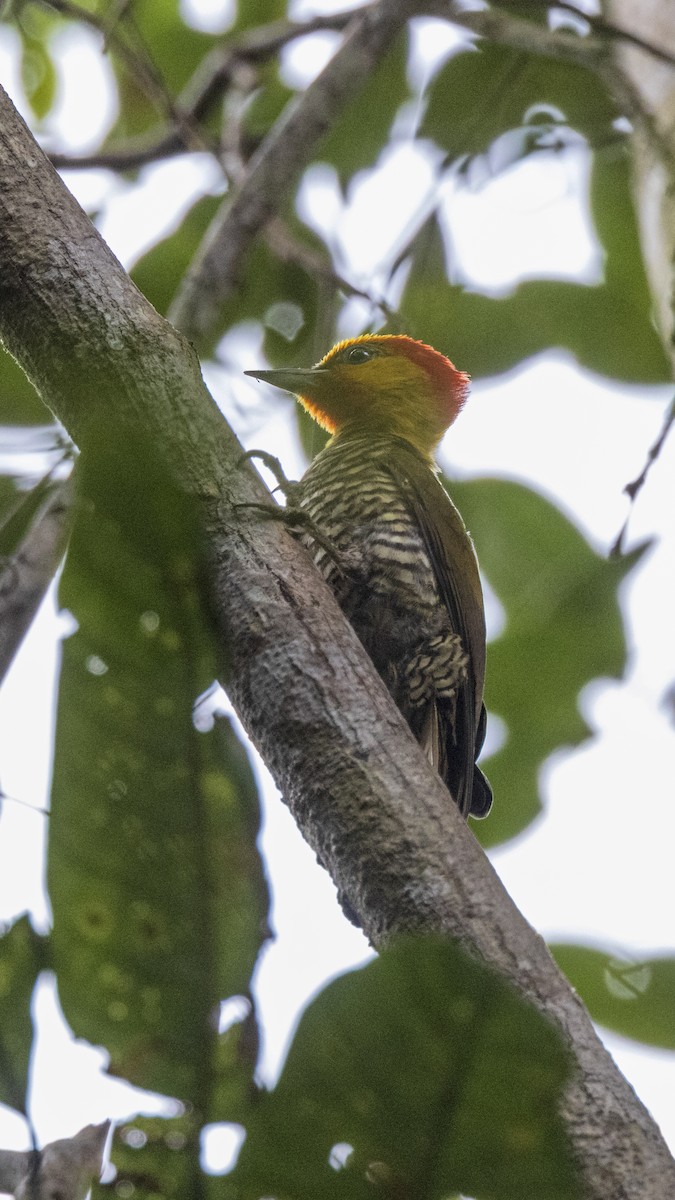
447,380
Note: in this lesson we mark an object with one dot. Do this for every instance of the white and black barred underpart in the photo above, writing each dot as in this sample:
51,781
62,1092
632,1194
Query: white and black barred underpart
389,589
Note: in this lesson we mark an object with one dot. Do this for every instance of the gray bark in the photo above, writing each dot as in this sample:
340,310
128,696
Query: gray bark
65,1169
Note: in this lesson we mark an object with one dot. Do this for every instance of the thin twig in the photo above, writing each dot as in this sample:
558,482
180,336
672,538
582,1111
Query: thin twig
25,577
634,488
614,32
287,248
141,66
210,80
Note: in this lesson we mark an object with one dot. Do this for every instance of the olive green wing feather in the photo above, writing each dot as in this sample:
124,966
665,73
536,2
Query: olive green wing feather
456,569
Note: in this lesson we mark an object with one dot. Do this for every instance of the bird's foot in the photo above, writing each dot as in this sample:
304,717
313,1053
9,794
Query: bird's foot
297,520
287,487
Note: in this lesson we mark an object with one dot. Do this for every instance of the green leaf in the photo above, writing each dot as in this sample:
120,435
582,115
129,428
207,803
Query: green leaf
22,957
563,629
136,112
158,272
169,50
487,90
266,104
157,889
258,12
155,1157
608,327
633,996
615,220
362,130
177,49
38,75
19,402
423,1073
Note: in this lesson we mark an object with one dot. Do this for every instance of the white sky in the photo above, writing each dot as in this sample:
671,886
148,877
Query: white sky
575,437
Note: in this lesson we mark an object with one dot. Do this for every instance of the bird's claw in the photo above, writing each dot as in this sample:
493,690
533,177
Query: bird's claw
286,486
300,520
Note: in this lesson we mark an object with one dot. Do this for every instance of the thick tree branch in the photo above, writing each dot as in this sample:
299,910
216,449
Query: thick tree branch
352,774
275,168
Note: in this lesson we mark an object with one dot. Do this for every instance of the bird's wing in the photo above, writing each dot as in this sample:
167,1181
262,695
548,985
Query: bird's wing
456,569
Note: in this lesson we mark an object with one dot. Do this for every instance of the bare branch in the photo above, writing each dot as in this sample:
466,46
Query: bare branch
25,577
289,249
66,1168
634,488
140,64
274,169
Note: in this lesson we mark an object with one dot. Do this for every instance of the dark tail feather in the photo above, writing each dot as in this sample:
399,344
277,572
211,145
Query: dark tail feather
481,795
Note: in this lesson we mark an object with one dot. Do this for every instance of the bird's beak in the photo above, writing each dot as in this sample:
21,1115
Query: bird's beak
298,380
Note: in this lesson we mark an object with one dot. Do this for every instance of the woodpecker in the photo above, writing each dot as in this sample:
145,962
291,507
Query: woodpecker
411,589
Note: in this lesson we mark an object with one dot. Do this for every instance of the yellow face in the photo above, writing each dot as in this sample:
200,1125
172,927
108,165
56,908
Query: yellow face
361,381
386,384
379,384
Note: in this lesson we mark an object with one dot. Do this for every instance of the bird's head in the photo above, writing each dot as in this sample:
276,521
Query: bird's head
379,383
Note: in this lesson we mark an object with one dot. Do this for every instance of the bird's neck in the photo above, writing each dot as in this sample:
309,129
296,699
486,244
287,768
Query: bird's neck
377,438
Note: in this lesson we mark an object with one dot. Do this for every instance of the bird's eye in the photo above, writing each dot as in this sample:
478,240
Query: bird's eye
359,354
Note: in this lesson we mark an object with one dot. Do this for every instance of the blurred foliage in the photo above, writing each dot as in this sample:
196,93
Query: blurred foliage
19,402
250,13
156,1157
563,628
534,102
18,506
422,1073
157,889
22,957
158,271
13,519
38,70
383,95
165,53
633,997
266,103
607,326
270,290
